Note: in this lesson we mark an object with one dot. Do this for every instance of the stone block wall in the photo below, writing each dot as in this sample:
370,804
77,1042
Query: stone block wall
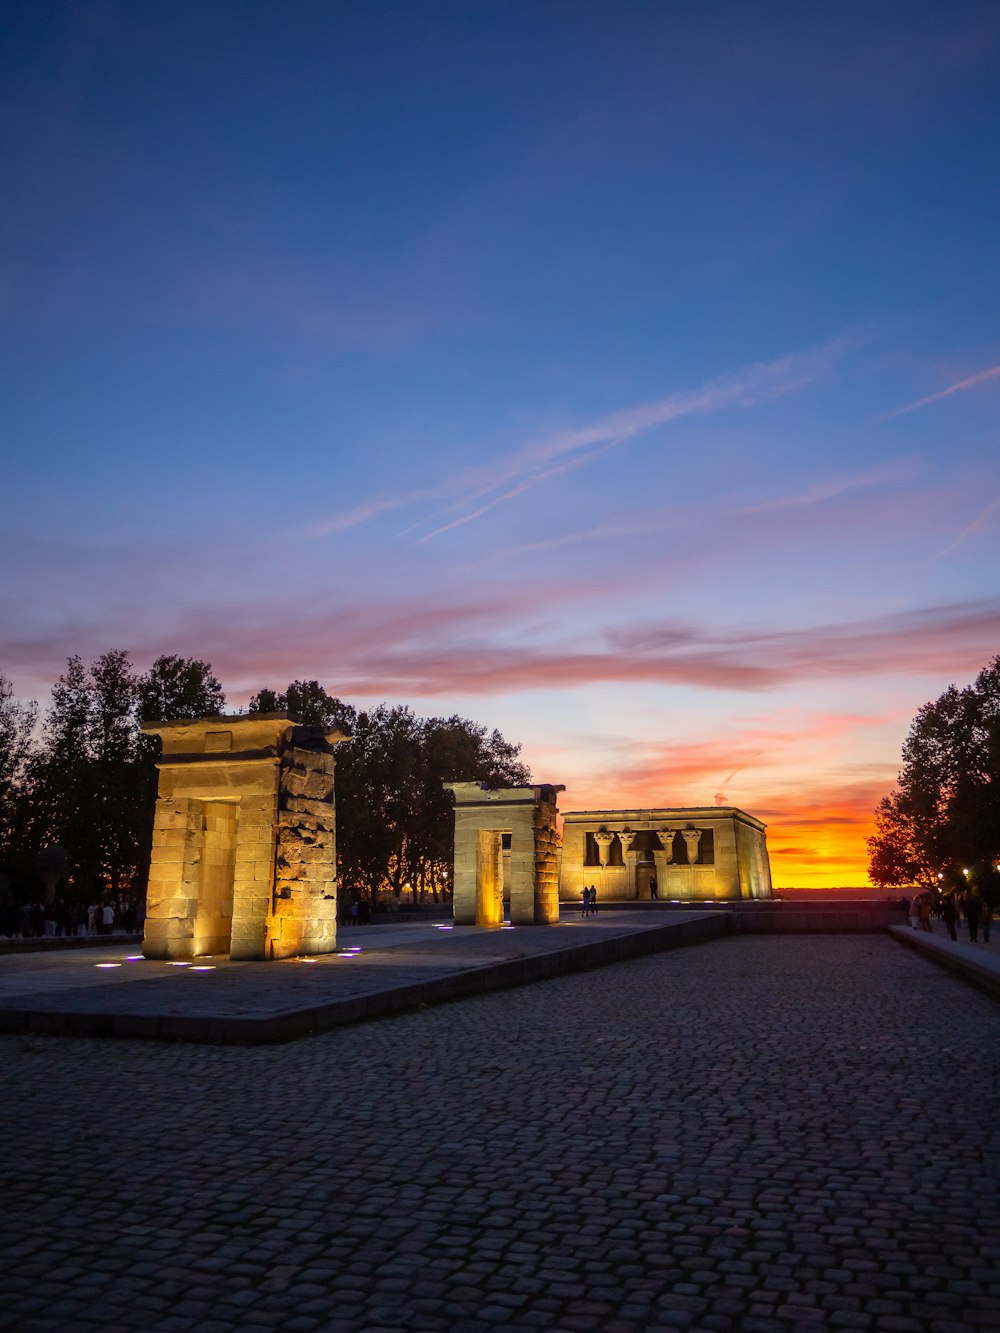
305,906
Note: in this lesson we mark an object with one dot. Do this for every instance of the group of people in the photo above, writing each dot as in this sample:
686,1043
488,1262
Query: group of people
589,898
63,917
977,912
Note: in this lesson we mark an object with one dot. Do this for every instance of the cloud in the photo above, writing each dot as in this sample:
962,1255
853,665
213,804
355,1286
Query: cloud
549,455
713,517
972,382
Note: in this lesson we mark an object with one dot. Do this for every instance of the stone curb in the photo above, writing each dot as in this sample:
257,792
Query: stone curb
983,970
57,943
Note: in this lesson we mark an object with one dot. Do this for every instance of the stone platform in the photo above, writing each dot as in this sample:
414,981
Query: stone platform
111,991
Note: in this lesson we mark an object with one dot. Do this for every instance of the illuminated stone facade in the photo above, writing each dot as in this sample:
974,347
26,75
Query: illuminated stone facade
704,852
244,842
506,845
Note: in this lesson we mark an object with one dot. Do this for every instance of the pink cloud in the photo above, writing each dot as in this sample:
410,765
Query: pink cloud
424,649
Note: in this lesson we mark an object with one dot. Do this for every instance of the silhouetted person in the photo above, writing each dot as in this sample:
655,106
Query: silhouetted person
593,900
652,887
949,915
972,915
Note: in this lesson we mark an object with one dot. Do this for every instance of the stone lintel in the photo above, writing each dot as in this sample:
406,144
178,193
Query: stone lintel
663,814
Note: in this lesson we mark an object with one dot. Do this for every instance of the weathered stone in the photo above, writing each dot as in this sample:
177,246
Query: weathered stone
244,843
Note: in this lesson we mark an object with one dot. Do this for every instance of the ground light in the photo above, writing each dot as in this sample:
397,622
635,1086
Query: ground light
107,964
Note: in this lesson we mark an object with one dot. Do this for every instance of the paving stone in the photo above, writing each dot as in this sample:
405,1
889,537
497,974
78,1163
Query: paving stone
742,1136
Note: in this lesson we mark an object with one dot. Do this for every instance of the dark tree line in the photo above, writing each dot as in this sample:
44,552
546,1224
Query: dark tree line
77,795
940,827
77,792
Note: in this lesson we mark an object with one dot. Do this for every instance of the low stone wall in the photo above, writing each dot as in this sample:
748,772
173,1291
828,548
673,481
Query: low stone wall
829,918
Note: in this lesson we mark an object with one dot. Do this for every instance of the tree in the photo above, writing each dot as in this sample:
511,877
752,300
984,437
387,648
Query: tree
17,723
91,788
308,701
945,811
177,687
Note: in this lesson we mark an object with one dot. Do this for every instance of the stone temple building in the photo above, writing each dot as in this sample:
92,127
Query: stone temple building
672,854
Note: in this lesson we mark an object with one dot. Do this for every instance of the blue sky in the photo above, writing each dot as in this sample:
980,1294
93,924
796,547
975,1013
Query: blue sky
624,375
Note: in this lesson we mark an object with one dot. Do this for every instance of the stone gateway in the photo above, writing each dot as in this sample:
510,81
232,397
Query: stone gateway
506,845
244,856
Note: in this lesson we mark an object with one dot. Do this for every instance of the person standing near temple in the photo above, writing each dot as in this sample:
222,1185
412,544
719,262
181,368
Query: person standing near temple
949,915
973,907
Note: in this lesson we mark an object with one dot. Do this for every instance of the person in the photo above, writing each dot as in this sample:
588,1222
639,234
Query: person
949,915
108,918
652,887
972,916
355,912
593,900
985,919
924,913
585,897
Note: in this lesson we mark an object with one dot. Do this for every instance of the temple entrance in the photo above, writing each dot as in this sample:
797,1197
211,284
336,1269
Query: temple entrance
213,924
489,876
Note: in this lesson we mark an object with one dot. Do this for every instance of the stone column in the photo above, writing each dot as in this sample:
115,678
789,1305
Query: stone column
604,839
629,859
546,904
304,916
692,837
174,879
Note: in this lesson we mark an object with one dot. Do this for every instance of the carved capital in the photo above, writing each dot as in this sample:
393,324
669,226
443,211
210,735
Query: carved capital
666,836
626,837
692,837
604,839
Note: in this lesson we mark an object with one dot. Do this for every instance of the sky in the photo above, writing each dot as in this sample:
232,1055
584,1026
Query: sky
622,375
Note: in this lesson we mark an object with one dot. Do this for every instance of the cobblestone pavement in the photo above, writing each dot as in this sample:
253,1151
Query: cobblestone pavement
764,1133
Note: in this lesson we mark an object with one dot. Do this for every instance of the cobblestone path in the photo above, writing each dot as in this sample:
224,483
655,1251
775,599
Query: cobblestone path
758,1134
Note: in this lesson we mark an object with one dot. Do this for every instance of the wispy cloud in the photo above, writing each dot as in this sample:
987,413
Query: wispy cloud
474,491
971,382
638,523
